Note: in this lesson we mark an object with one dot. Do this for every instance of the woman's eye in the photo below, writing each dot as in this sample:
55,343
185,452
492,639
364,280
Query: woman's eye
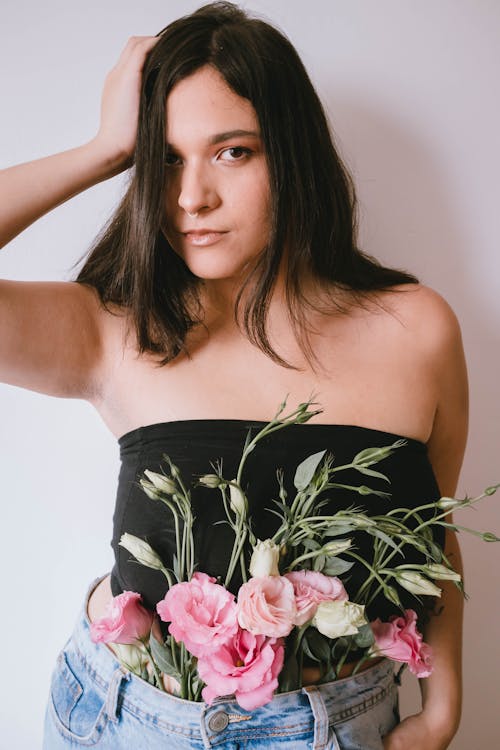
235,153
172,160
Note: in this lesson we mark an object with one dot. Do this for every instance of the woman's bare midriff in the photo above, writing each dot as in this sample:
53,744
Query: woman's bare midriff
101,596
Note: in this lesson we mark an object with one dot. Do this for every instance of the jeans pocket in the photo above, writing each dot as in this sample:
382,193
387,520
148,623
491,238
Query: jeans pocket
77,706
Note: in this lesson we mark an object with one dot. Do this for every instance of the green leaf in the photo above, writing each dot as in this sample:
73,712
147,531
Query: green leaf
335,566
340,645
384,538
305,648
282,506
310,545
319,562
306,470
318,644
338,530
364,637
435,552
163,658
372,473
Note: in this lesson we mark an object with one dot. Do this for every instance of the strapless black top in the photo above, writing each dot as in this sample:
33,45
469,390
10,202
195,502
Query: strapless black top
194,444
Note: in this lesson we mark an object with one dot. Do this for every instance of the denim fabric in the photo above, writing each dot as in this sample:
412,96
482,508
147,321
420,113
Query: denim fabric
95,702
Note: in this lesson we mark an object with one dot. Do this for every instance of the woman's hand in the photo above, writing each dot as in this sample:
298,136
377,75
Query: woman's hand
120,102
417,733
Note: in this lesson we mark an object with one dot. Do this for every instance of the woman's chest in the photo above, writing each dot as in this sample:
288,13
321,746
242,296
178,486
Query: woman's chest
372,376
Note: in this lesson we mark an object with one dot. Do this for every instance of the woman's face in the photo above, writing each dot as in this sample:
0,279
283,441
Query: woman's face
217,196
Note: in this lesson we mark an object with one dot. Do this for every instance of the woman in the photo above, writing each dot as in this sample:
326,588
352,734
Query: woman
230,263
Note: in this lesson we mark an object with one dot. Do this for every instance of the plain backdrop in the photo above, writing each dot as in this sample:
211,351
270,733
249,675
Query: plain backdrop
412,92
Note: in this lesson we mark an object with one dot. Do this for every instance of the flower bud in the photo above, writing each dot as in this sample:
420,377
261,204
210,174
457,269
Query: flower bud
441,572
416,583
338,618
332,549
361,522
265,558
132,657
488,536
370,456
210,480
447,503
238,499
142,551
392,595
150,490
161,482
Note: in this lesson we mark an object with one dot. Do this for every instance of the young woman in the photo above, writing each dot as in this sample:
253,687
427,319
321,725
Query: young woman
228,278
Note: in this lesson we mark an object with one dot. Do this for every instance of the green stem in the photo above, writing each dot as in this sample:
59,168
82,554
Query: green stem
167,575
239,542
373,574
305,556
173,651
183,672
154,666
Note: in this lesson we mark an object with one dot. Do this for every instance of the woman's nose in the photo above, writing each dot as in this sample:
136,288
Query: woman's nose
197,190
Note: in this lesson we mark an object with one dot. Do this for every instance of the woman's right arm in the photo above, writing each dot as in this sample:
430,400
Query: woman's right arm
50,332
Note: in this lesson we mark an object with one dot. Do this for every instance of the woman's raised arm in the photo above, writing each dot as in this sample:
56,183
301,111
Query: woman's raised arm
51,332
28,191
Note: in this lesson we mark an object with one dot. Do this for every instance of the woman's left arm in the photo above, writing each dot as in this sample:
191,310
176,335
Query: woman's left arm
434,727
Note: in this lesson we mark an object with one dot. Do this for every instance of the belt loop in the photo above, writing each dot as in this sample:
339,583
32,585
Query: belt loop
113,696
203,729
321,721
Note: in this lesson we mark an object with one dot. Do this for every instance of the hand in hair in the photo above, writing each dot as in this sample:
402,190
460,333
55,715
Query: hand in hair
120,101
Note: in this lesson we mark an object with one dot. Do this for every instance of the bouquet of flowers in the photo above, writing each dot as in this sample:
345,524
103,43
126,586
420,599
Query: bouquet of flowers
292,602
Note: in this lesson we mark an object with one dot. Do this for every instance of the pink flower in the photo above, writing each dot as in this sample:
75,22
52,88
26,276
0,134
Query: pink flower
247,666
125,621
201,613
266,606
310,589
400,640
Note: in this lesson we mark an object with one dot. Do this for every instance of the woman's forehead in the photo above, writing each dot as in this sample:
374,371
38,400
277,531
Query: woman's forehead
203,106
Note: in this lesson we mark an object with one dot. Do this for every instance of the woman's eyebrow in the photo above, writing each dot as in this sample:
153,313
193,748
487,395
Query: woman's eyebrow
228,135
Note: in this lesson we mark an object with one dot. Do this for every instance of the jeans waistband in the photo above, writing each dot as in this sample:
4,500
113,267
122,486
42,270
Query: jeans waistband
314,706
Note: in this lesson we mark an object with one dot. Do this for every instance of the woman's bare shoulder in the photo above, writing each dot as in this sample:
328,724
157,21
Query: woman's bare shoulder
423,312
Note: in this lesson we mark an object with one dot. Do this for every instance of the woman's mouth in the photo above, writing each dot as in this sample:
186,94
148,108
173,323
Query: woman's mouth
203,237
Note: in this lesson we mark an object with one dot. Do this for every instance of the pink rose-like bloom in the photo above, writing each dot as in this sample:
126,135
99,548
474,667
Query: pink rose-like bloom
202,614
266,606
400,640
247,666
125,621
311,588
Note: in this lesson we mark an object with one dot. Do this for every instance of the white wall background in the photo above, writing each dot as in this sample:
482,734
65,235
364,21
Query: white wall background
412,90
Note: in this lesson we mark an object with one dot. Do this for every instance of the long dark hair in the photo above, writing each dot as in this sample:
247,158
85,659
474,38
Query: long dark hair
313,211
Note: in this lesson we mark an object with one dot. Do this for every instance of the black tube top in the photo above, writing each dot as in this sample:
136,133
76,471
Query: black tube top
196,443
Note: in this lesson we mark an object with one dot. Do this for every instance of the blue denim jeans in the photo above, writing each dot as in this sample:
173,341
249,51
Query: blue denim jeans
96,702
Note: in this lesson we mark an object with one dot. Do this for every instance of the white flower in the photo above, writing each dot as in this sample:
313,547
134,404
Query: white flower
142,551
238,499
161,482
132,657
416,583
264,560
338,618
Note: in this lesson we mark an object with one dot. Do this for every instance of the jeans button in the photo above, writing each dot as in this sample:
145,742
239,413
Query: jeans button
218,721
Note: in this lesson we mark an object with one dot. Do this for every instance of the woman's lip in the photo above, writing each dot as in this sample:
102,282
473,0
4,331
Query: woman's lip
201,237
